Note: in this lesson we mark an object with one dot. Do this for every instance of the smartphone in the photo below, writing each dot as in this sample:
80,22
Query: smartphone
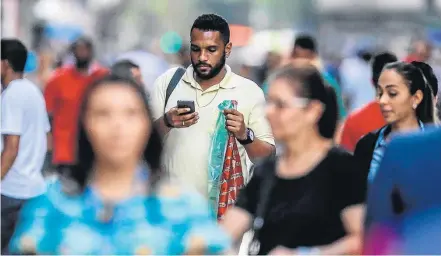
186,104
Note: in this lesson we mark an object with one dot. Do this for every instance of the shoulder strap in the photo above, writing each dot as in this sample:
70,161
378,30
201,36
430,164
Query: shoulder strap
263,199
173,83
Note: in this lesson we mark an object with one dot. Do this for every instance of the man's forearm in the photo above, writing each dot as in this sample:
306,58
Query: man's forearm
7,158
160,125
259,149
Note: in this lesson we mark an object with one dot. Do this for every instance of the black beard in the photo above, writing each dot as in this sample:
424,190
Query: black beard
82,64
214,71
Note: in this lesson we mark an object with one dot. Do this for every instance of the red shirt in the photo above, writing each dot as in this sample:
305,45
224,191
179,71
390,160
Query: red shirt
360,123
63,95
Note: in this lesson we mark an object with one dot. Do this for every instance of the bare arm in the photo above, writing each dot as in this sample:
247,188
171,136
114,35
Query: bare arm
236,222
259,149
10,152
162,128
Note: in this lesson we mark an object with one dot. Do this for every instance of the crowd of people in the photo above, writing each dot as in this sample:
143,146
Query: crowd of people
208,155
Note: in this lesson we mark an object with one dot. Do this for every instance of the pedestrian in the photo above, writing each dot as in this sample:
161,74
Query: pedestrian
114,199
407,103
24,130
308,200
63,95
196,132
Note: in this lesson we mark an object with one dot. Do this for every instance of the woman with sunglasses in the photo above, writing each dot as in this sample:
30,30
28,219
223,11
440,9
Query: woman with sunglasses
308,200
115,200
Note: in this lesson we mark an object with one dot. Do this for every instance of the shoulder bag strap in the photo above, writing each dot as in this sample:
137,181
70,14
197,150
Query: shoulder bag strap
173,83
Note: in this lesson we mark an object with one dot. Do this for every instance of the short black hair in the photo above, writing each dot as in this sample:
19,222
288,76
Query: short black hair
81,170
378,63
14,51
82,40
213,22
123,68
305,41
313,87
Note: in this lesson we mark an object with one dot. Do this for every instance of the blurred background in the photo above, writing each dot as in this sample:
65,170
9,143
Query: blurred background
263,31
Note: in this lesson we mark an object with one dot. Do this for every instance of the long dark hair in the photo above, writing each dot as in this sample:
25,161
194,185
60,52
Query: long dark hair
415,81
80,171
313,87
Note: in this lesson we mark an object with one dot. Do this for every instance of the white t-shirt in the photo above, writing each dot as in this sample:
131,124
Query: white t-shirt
23,113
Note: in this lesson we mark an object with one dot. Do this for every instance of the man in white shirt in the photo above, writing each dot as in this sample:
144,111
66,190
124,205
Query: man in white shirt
24,128
208,82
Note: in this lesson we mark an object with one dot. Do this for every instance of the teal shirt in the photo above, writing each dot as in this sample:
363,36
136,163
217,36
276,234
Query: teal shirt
172,221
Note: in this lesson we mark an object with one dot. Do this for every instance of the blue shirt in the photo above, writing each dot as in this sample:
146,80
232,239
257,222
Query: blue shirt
171,221
379,149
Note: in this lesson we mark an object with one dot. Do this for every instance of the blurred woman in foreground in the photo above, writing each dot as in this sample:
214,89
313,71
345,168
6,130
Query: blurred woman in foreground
114,200
309,199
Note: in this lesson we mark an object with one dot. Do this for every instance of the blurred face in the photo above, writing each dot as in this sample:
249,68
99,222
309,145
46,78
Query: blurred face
302,53
423,51
394,96
83,55
136,73
287,113
208,53
117,124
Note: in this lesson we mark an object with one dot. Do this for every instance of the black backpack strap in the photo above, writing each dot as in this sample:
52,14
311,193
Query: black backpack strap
173,83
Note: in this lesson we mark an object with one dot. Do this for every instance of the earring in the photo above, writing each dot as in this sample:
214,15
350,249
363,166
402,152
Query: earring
414,106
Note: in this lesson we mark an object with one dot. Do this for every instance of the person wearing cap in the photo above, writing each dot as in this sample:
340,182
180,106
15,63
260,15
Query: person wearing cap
63,94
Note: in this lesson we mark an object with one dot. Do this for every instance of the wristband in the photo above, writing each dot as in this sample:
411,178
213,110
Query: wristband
166,122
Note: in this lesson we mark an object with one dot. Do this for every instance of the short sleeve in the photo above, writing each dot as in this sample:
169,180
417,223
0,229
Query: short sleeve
204,233
351,180
31,229
157,95
258,122
12,112
51,94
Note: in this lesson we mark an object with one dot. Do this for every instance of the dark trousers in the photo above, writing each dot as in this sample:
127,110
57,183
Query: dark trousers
10,210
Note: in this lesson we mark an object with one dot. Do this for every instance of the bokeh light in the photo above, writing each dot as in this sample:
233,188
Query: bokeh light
31,63
171,42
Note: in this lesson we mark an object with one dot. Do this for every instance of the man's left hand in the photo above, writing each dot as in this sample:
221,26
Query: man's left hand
236,124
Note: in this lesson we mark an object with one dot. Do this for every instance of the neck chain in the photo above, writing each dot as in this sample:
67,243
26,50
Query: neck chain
197,101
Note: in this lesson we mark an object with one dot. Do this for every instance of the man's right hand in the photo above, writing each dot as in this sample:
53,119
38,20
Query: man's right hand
176,118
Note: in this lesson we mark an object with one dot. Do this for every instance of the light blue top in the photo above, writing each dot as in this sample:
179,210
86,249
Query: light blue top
172,221
380,147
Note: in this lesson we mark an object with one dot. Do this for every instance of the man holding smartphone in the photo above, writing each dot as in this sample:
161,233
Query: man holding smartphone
189,126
